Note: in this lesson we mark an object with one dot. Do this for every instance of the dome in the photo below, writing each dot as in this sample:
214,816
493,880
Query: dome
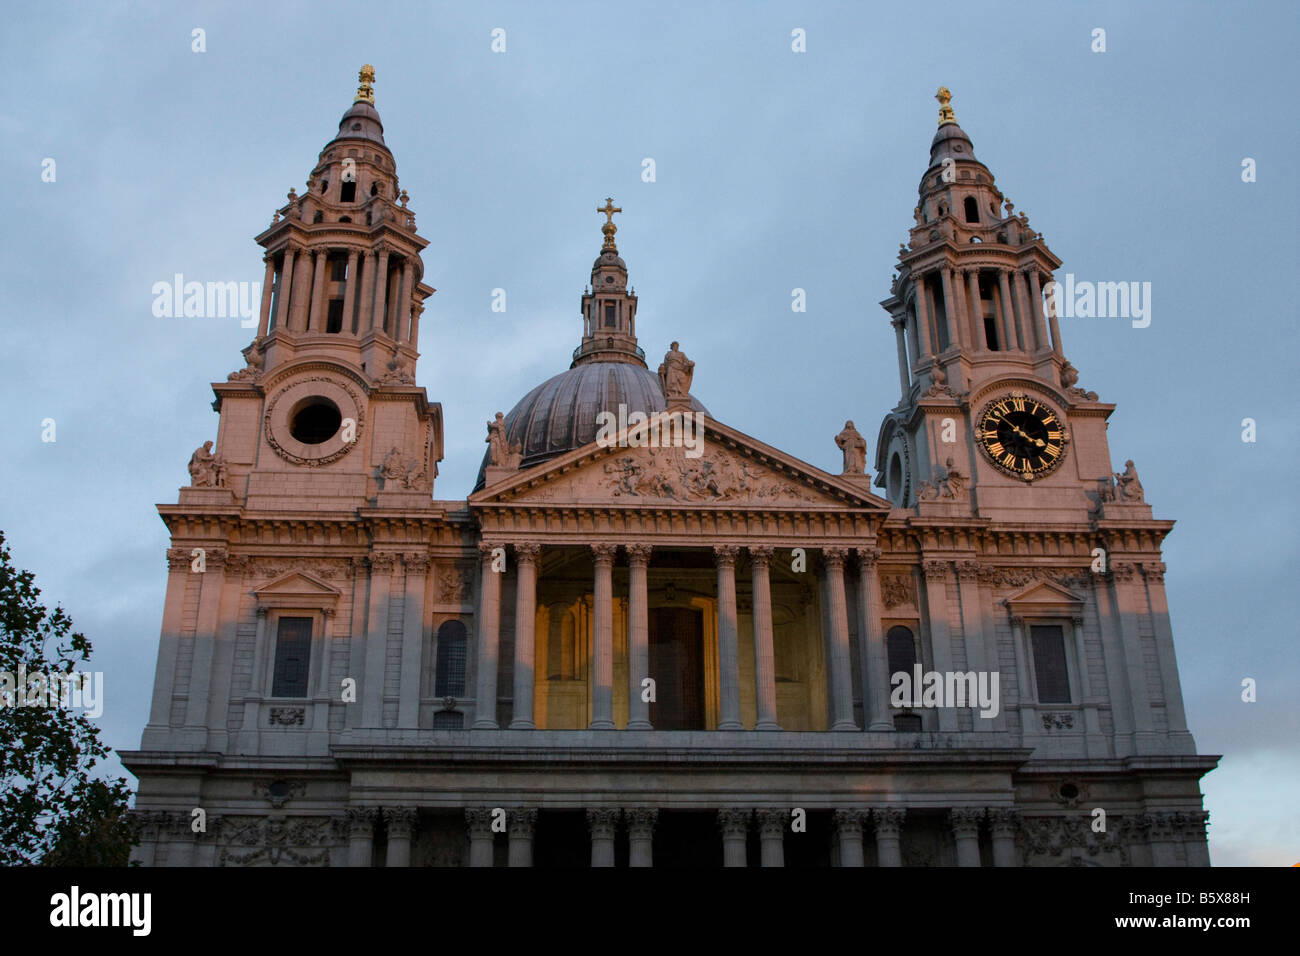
361,122
560,414
951,141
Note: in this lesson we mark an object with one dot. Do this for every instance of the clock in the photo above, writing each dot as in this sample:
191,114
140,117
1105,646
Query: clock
1021,436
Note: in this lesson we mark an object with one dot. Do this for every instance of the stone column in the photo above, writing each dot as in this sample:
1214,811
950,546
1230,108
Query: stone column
321,260
602,692
1036,307
979,340
848,832
372,698
936,596
1008,311
485,695
760,558
417,310
840,662
522,824
874,658
301,292
366,285
479,821
349,293
966,829
1052,320
904,377
951,308
602,822
923,319
404,303
728,644
361,834
638,636
640,835
735,831
268,282
381,291
888,822
1004,823
771,833
400,822
284,290
408,704
525,624
1028,328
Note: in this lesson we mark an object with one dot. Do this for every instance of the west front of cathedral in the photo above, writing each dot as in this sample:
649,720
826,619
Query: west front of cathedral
648,638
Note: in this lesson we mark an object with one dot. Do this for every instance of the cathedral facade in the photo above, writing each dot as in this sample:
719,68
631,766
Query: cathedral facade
646,637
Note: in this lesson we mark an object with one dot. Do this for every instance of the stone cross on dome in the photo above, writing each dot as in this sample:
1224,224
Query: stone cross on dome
609,228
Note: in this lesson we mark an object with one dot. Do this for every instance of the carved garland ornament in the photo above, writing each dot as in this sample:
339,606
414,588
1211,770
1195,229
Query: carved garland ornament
297,459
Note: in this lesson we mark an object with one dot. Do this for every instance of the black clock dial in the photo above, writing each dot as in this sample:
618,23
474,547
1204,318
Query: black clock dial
1022,436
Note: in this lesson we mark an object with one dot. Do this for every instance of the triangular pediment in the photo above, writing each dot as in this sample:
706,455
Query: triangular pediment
1044,597
296,584
727,468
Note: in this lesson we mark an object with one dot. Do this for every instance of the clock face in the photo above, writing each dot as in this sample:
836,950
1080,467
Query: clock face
1022,436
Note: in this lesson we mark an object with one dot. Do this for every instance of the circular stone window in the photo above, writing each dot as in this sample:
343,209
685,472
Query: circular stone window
315,420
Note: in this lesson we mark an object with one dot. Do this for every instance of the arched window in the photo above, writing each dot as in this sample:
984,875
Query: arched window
374,189
348,191
972,209
449,664
900,646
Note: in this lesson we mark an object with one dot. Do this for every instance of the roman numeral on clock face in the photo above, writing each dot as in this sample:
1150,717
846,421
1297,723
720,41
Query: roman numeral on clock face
1009,460
996,449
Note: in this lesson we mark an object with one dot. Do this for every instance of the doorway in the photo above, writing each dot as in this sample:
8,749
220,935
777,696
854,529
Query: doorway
677,667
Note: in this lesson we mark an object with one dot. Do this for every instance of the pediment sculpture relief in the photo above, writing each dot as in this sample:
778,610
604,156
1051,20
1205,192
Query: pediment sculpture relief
667,473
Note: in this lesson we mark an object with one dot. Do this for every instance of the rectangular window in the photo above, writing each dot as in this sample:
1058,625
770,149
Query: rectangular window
1050,674
334,320
609,316
338,269
292,654
991,333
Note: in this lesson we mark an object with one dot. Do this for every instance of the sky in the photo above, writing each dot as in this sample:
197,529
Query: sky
774,170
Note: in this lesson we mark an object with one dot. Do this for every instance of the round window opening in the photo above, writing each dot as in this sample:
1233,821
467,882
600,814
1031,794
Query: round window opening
316,421
1068,791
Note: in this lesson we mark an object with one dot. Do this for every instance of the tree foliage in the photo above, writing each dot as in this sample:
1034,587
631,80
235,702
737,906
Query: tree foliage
53,811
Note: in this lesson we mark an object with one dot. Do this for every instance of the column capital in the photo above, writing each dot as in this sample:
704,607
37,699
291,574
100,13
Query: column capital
479,821
602,822
485,548
968,570
936,570
771,823
604,553
1154,571
724,555
526,552
760,555
1004,821
868,557
381,562
966,820
400,821
850,821
1018,622
733,821
641,820
888,821
521,821
416,562
361,820
835,557
638,555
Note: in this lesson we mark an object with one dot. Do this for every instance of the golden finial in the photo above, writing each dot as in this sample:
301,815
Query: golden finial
946,114
366,92
609,228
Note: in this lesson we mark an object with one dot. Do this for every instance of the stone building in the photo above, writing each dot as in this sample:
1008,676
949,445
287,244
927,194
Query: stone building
647,637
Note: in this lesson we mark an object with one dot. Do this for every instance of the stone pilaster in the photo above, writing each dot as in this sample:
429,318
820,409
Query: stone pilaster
416,565
638,564
873,657
936,597
602,692
372,698
728,642
400,824
640,835
521,824
603,823
525,623
734,825
888,824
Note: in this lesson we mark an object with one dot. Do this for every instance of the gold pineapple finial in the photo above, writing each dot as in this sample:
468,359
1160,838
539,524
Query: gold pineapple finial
609,228
366,92
946,114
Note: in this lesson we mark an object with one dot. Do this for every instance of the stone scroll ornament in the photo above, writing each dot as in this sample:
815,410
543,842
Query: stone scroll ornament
854,447
502,454
206,469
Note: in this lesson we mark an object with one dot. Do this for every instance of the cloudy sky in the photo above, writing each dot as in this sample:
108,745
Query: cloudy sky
775,170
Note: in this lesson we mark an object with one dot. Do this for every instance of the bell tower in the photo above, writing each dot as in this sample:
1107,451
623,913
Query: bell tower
990,420
326,414
608,308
